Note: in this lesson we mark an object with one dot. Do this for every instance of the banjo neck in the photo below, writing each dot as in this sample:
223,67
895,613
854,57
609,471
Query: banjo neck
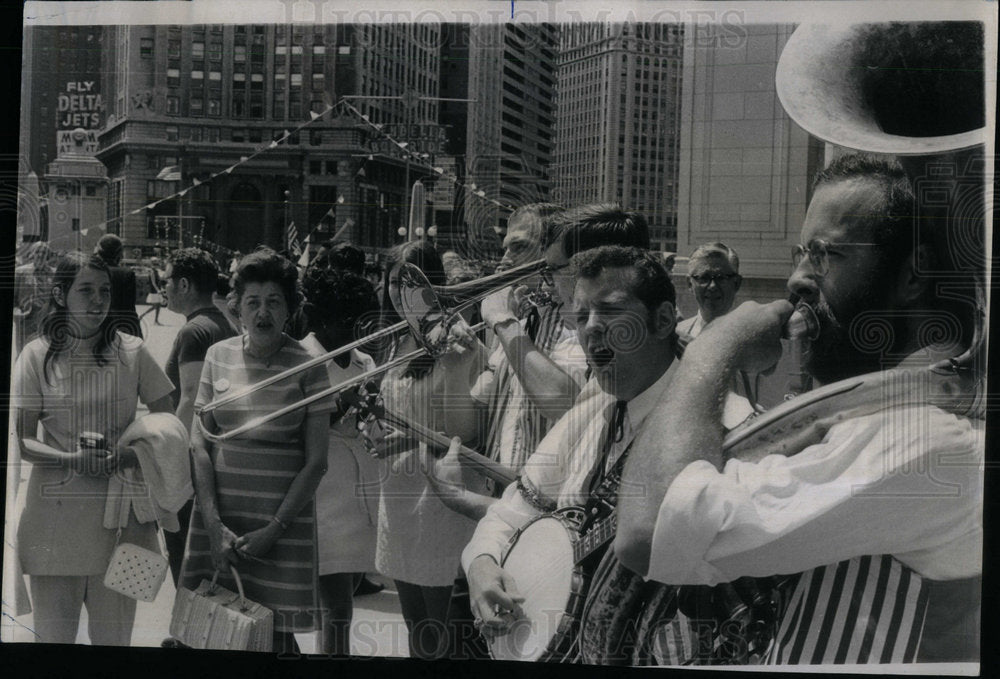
595,538
480,463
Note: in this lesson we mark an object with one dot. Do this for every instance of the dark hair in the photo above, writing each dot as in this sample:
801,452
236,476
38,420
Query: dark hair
264,265
422,254
110,248
893,220
197,266
590,226
651,283
336,296
341,255
540,212
57,322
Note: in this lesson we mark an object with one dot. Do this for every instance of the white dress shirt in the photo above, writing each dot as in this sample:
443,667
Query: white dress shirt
905,481
560,469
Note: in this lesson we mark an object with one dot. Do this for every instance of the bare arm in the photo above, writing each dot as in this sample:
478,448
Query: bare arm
82,460
458,411
220,538
445,477
551,389
687,425
190,374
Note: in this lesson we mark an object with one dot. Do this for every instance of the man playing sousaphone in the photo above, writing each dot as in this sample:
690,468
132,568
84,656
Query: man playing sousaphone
880,511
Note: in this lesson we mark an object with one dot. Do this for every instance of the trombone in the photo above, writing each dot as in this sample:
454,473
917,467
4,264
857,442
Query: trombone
425,316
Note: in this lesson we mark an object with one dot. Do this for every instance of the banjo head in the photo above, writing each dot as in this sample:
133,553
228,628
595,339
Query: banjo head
544,574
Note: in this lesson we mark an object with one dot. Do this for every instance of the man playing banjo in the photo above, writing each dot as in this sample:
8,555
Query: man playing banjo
880,510
624,309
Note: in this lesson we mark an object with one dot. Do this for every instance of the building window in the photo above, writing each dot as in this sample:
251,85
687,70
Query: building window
215,76
91,190
213,132
319,49
316,106
146,47
173,105
214,107
280,49
315,167
238,134
256,135
174,49
344,49
315,137
239,77
76,224
318,82
171,131
197,50
197,107
239,109
197,75
295,110
196,132
296,49
173,77
215,50
239,53
296,80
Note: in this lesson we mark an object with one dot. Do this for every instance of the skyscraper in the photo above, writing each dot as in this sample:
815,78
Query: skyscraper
198,100
617,129
512,79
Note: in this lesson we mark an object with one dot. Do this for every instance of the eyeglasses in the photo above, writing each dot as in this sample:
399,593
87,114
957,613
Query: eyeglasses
706,279
817,250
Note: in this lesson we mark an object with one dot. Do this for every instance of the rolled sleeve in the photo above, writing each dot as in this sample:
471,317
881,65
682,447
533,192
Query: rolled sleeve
691,515
495,530
905,482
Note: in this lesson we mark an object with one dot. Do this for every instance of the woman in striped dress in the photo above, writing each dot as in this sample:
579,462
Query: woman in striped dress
254,494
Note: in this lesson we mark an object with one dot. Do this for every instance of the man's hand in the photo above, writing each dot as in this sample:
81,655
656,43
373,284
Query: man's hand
747,338
123,458
502,305
493,596
445,473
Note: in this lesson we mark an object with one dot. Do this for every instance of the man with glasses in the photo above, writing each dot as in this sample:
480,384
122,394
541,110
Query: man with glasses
714,278
878,510
191,278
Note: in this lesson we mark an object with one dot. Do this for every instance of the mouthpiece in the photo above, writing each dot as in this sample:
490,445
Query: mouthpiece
802,324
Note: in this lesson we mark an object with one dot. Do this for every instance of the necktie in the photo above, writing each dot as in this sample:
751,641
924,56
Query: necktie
613,433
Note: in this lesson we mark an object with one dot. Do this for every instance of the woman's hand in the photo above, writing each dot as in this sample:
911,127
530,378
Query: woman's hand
222,541
93,461
124,457
258,542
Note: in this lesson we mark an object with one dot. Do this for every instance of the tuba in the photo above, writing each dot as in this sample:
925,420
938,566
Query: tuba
915,91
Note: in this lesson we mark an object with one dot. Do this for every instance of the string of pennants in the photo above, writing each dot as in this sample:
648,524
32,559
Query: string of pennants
421,159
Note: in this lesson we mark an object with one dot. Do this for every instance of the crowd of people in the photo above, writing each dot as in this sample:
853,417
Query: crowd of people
585,383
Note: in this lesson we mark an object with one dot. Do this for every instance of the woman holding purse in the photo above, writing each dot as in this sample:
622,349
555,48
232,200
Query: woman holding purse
254,494
79,377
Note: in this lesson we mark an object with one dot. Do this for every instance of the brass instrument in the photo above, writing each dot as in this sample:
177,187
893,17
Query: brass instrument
418,302
915,90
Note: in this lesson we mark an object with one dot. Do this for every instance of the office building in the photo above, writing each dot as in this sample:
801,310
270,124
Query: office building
617,129
188,102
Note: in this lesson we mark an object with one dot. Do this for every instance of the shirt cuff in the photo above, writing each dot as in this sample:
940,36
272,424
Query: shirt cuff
690,517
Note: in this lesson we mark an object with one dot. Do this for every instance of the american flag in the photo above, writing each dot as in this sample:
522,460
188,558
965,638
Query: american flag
292,239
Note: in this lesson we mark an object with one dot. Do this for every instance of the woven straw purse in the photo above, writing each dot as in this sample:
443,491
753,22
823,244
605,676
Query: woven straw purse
213,617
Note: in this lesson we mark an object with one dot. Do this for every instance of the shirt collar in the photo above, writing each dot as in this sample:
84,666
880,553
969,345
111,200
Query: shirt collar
640,406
